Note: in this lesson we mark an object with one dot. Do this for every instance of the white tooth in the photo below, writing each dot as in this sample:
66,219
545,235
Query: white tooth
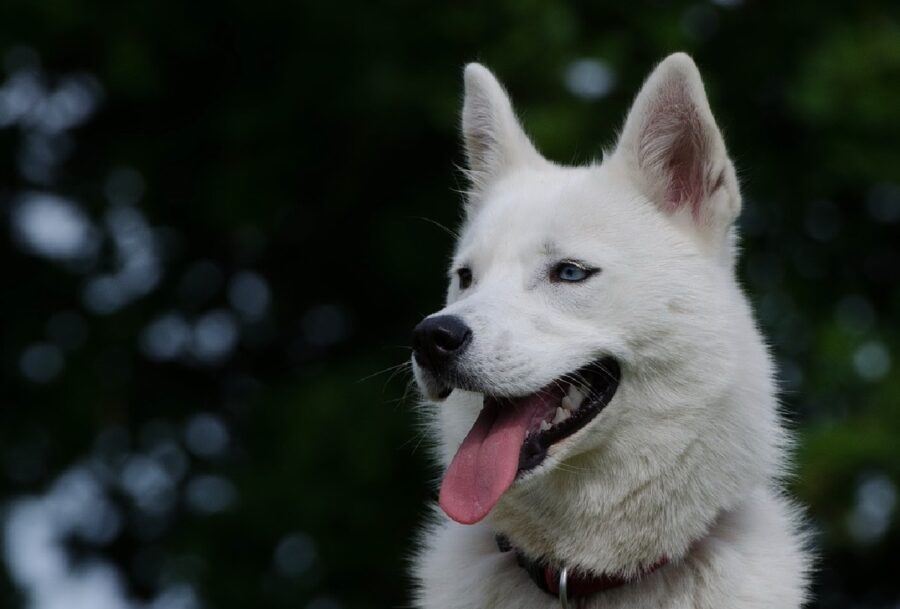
561,415
567,404
575,396
545,425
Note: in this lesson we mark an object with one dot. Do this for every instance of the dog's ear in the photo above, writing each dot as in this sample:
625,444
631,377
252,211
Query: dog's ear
675,151
494,140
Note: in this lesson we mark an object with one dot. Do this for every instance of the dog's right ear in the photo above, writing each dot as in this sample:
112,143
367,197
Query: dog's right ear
494,140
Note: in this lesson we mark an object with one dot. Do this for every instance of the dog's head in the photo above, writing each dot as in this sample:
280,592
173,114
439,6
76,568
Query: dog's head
592,313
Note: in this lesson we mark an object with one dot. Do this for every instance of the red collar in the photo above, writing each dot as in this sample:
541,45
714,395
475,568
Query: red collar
580,584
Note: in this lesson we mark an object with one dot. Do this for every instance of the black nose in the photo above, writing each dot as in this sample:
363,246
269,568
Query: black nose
437,339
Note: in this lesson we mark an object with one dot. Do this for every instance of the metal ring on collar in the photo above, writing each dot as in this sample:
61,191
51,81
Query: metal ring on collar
564,588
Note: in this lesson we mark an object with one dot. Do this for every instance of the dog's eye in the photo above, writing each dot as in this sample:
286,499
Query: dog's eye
571,272
465,277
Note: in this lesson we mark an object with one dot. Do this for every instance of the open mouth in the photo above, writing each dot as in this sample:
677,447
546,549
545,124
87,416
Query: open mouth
587,392
513,435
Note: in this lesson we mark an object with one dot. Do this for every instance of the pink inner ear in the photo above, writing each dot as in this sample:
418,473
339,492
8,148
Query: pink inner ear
685,170
674,148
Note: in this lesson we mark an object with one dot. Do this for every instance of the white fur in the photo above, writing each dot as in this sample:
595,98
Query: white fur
685,462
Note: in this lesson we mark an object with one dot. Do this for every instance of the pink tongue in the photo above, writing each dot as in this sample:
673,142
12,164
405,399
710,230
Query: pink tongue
488,459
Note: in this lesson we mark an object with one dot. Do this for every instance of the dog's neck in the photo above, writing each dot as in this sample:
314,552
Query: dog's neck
619,539
603,514
755,542
571,583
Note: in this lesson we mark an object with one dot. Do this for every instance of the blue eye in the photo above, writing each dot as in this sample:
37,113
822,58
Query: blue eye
571,272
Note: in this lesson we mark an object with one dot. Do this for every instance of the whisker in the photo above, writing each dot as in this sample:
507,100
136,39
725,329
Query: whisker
449,231
388,369
571,469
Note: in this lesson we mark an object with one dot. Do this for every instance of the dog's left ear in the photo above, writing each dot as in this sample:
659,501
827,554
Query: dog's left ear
676,153
494,140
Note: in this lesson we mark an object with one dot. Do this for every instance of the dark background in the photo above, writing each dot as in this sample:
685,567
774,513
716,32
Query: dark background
219,228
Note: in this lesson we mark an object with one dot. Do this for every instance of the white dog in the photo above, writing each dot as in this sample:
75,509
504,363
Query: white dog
604,403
